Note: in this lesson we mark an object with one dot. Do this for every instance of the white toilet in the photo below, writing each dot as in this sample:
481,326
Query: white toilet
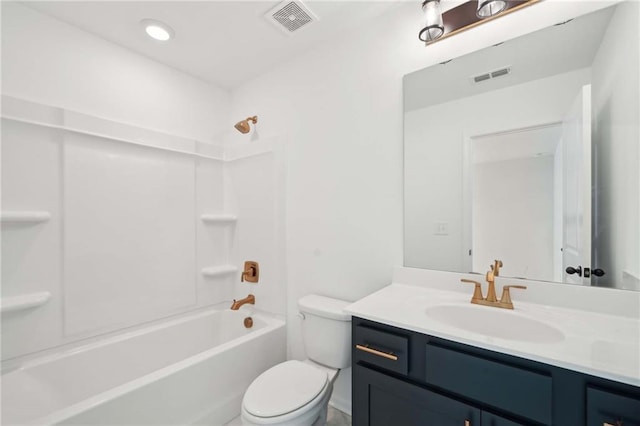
297,392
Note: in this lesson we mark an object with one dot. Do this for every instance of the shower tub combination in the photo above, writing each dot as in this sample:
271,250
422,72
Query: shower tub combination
189,370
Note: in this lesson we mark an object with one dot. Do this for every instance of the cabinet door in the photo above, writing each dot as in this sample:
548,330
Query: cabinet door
490,419
381,400
607,408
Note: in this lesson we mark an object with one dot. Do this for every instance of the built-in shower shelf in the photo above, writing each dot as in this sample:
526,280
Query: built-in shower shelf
219,218
217,271
24,301
24,216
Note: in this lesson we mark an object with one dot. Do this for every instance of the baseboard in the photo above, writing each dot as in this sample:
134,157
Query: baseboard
341,404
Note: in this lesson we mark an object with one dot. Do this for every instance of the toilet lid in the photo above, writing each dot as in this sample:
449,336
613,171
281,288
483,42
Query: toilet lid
283,389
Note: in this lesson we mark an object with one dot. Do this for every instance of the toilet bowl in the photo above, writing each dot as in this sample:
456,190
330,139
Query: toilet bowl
297,393
291,393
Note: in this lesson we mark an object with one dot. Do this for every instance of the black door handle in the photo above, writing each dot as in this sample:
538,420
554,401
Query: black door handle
598,272
571,270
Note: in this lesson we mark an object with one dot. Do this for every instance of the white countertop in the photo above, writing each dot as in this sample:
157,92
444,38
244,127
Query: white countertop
598,344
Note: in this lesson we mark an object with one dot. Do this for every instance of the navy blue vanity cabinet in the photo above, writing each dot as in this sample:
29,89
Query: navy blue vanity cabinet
490,419
390,401
403,378
606,408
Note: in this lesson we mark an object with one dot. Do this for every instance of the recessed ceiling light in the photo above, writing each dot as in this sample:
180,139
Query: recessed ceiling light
157,30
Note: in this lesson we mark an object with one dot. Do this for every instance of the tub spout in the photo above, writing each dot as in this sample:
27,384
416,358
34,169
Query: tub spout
251,299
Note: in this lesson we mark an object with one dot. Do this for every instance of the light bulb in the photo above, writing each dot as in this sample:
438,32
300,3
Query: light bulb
487,8
433,26
157,30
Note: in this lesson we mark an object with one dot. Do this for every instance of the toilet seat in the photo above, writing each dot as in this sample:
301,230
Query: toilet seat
284,389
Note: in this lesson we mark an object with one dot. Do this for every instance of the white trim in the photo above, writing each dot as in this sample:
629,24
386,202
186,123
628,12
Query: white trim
25,216
64,120
341,404
216,271
219,218
24,301
104,136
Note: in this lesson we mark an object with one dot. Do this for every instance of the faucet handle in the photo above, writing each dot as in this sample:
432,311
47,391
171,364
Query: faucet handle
506,294
495,268
490,275
477,292
251,272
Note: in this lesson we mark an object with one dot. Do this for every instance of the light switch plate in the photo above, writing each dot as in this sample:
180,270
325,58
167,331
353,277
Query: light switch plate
441,228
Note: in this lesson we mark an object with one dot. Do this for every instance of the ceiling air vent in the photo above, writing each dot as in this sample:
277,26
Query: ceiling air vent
483,77
290,16
491,75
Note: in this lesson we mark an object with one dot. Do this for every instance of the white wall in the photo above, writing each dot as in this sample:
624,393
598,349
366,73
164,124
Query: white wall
616,123
51,62
512,205
125,244
435,143
338,109
254,188
119,248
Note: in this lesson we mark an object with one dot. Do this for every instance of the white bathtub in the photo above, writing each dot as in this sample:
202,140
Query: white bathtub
191,370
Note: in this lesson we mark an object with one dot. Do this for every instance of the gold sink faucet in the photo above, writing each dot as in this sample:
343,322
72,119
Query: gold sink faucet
495,268
250,299
491,299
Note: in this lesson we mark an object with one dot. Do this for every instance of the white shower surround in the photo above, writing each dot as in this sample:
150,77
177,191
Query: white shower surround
125,241
190,370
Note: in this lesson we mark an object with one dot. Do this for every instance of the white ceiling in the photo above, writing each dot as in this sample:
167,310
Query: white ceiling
524,143
222,42
544,53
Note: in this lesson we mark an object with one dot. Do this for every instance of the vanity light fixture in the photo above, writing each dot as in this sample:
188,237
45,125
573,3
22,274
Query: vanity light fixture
465,16
487,8
434,27
157,30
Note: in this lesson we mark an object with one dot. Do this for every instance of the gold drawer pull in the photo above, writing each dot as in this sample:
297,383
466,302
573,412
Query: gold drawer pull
387,355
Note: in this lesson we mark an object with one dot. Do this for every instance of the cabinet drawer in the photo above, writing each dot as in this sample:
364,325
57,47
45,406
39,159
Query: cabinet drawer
382,349
490,419
607,408
520,391
381,400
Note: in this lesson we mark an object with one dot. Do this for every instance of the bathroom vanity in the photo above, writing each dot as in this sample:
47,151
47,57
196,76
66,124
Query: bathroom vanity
417,362
479,186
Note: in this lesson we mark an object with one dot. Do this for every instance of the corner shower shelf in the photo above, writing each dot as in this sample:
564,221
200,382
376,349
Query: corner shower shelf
217,271
24,301
219,218
25,216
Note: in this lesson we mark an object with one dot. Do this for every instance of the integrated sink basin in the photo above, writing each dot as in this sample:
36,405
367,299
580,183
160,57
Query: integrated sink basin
494,322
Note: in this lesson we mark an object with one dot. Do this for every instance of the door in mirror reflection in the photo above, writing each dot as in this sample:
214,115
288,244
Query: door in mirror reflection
531,198
513,205
576,215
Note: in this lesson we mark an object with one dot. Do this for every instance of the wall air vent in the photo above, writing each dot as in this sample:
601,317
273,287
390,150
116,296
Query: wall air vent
491,75
290,16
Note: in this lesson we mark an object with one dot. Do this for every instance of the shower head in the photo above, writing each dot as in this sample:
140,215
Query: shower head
243,126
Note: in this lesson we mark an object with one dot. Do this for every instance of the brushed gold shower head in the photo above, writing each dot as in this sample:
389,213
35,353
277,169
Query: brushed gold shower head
243,126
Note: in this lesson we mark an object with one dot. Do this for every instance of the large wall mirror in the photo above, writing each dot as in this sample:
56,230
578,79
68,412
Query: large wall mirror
529,152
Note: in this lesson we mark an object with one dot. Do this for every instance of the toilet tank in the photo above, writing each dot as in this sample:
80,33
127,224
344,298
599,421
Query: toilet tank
326,330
